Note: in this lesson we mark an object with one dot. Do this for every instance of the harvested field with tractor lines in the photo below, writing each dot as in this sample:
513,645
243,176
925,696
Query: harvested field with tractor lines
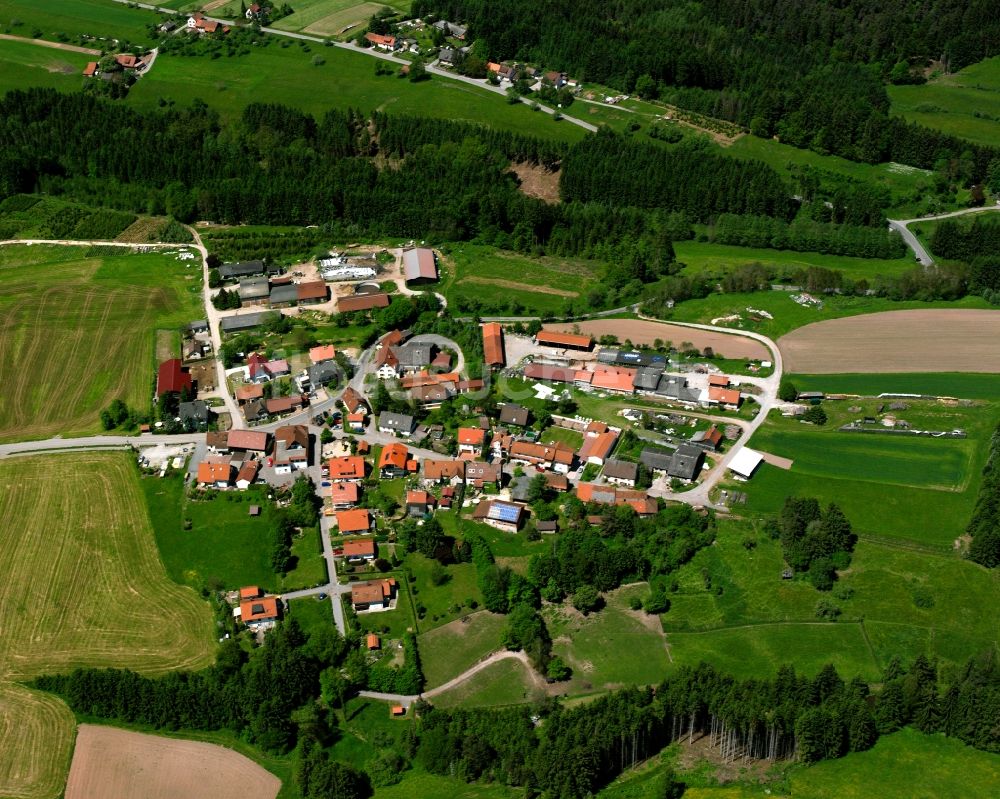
83,586
646,332
934,340
132,765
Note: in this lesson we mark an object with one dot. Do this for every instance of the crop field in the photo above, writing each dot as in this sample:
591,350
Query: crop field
717,260
277,74
646,332
897,341
497,278
767,621
447,651
105,764
941,384
25,64
79,331
76,18
789,315
614,647
330,17
81,575
965,104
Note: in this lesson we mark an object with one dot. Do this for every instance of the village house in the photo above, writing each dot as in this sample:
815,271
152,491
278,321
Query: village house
399,424
195,412
728,398
710,439
684,463
344,495
322,374
258,614
247,474
392,461
621,473
249,441
555,374
471,440
435,472
493,352
215,471
414,356
479,474
597,448
217,441
373,595
255,410
356,422
387,365
354,522
557,457
501,444
638,500
383,42
353,401
419,503
612,379
514,415
279,405
350,468
173,378
506,516
322,353
291,449
359,550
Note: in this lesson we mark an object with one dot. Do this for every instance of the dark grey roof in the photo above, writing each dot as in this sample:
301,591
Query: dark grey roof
655,459
198,324
322,373
254,288
686,462
399,422
676,388
447,55
247,321
519,487
621,470
196,411
254,410
647,378
632,358
242,269
546,527
514,414
288,292
414,354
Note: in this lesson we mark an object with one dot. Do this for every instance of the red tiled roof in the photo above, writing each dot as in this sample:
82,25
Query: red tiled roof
248,471
418,498
248,439
359,547
354,521
557,374
218,472
493,344
598,446
393,455
311,290
472,436
373,591
442,470
419,263
553,338
260,609
724,396
722,381
171,377
614,379
347,467
325,352
377,38
541,452
352,400
249,392
284,404
391,339
344,492
362,302
91,69
250,592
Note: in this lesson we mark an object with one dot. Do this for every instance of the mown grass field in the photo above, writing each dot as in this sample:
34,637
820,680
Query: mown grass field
448,601
24,64
225,546
788,315
757,621
941,384
330,17
507,682
965,104
83,586
79,331
75,18
447,651
717,260
276,74
497,278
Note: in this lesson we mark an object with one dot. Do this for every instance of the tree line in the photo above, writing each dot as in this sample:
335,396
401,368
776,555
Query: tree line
811,72
807,236
984,527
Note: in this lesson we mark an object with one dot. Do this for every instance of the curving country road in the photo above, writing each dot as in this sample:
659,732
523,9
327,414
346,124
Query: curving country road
902,226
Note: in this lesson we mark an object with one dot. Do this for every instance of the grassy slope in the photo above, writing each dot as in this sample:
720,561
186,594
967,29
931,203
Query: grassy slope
24,64
79,332
951,102
447,651
759,620
503,683
74,18
81,580
277,74
957,384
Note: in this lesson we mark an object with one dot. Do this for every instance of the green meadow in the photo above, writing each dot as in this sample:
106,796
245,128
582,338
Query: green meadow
965,104
283,72
506,682
941,384
447,651
26,64
95,19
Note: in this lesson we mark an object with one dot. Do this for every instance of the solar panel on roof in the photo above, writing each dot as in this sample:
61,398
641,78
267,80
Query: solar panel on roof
504,513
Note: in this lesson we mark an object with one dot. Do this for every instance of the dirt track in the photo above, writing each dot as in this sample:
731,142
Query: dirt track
933,340
54,45
131,765
641,331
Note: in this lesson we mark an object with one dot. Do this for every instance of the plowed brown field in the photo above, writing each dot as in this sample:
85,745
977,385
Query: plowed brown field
131,765
933,340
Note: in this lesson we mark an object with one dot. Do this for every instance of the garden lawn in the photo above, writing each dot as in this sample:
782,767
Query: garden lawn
77,18
447,651
563,435
966,104
80,331
613,647
717,260
393,623
277,74
486,278
23,64
458,595
311,613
